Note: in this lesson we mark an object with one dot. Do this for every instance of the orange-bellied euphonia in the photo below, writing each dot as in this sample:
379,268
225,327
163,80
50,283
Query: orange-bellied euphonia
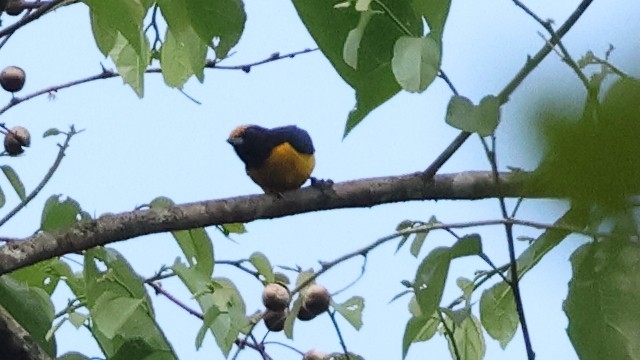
278,159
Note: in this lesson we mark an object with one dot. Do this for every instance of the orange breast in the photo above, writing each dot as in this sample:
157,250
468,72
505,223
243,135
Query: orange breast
285,169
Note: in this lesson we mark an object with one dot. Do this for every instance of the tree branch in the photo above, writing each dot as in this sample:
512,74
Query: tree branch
31,17
108,74
351,194
16,342
503,96
61,153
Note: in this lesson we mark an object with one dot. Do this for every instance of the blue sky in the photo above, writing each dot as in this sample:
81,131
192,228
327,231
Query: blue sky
135,150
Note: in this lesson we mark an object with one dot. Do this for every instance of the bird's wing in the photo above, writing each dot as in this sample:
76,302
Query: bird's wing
298,138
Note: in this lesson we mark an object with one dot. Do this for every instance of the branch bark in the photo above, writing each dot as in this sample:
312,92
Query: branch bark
16,342
351,194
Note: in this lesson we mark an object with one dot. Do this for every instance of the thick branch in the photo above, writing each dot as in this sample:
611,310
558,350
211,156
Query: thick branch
351,194
16,342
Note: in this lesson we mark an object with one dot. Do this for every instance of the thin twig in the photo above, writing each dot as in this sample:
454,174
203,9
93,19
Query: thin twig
439,226
479,281
430,172
44,181
513,260
332,315
214,64
283,345
31,17
73,306
449,333
159,290
612,68
486,259
154,24
446,79
238,264
107,74
260,348
516,207
533,62
554,37
363,268
241,343
503,96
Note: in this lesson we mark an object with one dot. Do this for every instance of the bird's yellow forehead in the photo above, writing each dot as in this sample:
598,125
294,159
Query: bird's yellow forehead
239,131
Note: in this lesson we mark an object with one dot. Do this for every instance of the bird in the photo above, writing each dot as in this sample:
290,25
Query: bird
278,159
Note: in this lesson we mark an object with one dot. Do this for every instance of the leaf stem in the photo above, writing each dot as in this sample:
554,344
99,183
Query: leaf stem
394,18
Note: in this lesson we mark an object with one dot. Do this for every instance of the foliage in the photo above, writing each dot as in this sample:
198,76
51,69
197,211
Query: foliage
378,48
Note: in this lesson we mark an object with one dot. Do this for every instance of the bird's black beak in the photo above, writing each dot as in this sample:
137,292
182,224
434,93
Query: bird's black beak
235,141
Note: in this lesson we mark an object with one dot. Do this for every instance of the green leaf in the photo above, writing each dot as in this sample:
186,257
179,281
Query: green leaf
303,277
417,242
78,319
400,294
123,17
59,214
352,43
14,180
262,264
111,313
44,274
183,52
72,355
351,310
31,307
133,333
104,31
468,245
3,198
416,62
498,313
575,217
329,27
234,228
130,63
468,338
220,301
197,248
430,279
420,328
467,288
181,56
363,5
497,307
602,304
404,225
592,160
297,303
291,318
51,132
161,202
281,278
458,316
210,317
482,119
75,281
435,12
222,19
